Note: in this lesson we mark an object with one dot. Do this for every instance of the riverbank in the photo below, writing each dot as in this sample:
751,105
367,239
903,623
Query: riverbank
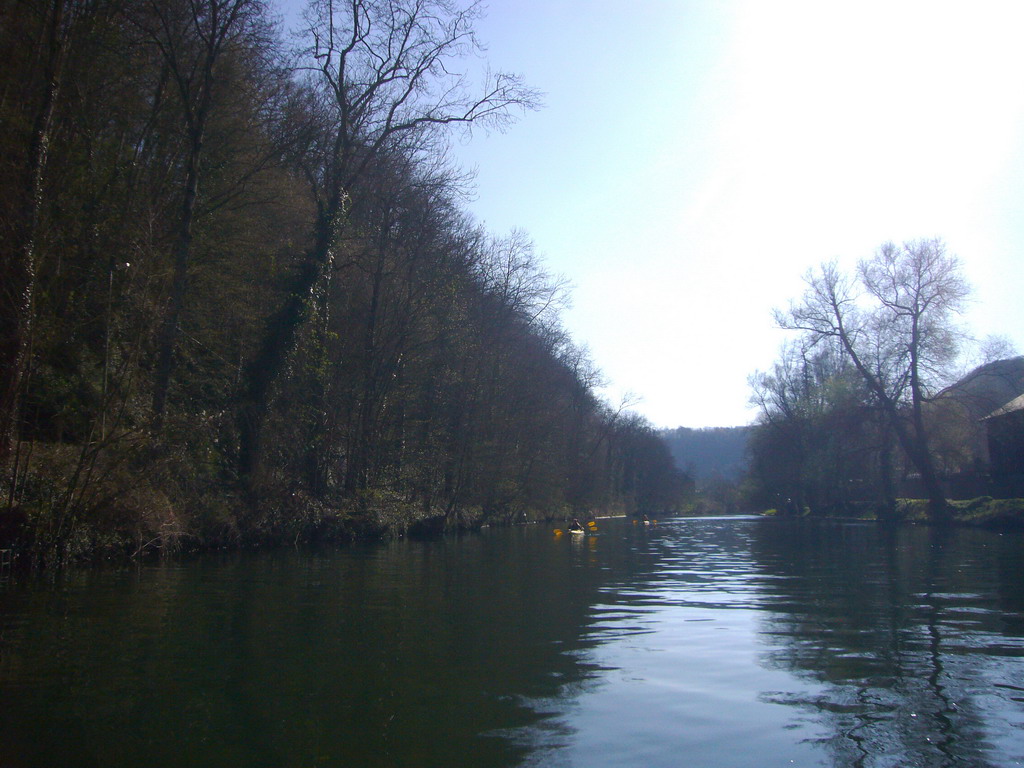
981,512
139,494
116,516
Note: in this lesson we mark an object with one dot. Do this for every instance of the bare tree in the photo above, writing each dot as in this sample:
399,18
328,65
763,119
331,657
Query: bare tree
901,341
511,271
193,37
994,347
56,22
382,77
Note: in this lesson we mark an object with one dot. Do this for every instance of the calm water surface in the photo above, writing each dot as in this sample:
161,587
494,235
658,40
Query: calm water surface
712,642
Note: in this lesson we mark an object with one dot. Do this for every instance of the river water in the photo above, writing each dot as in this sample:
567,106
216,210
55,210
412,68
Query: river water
701,642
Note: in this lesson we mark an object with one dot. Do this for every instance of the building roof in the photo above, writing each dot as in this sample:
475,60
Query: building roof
1017,404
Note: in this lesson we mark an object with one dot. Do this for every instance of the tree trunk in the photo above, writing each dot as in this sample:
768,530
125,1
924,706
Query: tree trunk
913,443
938,509
182,255
916,449
18,296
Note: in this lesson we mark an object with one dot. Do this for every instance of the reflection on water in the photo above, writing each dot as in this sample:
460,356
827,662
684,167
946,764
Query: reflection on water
399,654
915,636
736,642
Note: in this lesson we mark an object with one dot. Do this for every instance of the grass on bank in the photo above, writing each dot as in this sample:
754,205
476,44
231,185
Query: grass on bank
981,512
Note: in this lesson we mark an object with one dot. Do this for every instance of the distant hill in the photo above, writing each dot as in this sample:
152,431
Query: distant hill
710,452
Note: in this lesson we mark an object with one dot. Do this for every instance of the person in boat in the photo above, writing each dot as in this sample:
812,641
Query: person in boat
576,525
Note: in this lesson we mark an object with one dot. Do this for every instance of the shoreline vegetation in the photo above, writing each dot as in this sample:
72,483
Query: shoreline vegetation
126,524
118,516
980,512
882,406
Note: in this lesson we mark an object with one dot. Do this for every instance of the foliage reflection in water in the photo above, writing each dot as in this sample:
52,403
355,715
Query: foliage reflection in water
736,642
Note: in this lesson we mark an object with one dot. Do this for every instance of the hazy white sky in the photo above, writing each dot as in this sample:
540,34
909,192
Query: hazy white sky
695,158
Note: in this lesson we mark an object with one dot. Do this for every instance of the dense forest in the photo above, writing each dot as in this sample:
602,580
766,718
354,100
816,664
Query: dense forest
242,299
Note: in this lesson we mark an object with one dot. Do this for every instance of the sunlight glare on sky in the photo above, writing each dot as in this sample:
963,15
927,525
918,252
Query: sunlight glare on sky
694,159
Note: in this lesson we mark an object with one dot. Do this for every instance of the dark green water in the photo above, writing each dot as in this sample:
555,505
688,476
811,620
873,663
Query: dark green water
717,642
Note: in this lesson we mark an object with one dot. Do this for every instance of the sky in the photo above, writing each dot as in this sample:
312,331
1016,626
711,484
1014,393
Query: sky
693,159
